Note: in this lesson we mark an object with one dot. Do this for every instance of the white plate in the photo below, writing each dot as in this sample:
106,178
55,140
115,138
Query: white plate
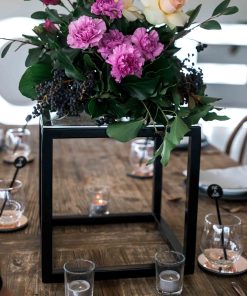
185,141
233,180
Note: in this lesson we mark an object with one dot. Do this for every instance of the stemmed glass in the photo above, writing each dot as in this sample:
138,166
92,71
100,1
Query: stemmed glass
222,244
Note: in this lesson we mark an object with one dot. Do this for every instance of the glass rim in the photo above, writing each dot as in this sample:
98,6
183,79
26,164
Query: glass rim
18,130
179,261
17,184
143,141
238,220
90,269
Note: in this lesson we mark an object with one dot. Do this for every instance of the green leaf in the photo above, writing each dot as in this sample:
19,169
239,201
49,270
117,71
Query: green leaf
39,15
214,116
6,49
193,14
53,15
34,40
33,56
230,10
178,129
31,77
67,64
141,88
221,7
207,100
197,114
125,131
211,25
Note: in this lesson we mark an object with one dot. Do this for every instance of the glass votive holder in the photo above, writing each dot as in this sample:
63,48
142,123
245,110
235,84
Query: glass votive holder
79,277
141,150
11,202
17,143
169,267
99,200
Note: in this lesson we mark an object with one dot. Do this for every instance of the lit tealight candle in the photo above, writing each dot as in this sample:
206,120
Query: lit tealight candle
99,206
78,287
169,281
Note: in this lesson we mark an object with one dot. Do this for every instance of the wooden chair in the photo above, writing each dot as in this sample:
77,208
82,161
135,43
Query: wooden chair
233,137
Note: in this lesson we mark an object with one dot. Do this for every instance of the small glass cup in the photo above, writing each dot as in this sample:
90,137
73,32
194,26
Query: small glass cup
17,143
11,208
141,150
79,277
222,245
169,266
99,200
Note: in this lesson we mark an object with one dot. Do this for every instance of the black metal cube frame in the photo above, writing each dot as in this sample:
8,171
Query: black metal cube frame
48,221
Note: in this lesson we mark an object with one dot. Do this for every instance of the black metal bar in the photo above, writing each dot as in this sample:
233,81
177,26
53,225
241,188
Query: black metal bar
191,206
113,272
157,180
48,221
169,236
46,205
62,220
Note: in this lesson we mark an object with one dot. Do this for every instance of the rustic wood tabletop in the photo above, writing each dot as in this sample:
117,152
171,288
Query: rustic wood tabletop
79,163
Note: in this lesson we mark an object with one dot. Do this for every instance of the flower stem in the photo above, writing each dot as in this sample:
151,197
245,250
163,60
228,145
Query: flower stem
156,131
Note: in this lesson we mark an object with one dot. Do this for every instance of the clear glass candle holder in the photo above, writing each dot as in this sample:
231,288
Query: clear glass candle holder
222,245
79,277
17,143
169,267
141,151
99,197
11,202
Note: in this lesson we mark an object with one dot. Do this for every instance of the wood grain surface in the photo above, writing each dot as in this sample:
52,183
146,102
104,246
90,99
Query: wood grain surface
78,164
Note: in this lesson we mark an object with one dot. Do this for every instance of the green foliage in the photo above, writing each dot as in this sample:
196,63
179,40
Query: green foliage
31,77
168,93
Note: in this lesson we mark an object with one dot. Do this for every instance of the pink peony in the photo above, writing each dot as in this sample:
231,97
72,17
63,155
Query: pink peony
51,2
85,32
147,43
111,8
49,26
125,60
109,41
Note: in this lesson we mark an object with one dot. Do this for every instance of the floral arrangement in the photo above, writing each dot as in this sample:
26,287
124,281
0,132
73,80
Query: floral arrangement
115,59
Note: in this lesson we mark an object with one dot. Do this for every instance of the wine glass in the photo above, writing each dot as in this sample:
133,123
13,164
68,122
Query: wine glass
222,244
141,151
17,143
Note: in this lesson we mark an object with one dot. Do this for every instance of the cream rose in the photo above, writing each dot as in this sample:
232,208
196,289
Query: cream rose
132,10
171,6
168,12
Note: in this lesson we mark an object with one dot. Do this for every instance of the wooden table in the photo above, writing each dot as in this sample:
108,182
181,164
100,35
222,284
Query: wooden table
79,163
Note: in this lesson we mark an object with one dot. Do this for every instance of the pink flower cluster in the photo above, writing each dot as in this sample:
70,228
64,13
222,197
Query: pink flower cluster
111,8
51,2
85,32
126,54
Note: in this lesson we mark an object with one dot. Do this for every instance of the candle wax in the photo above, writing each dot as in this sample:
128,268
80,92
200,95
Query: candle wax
169,281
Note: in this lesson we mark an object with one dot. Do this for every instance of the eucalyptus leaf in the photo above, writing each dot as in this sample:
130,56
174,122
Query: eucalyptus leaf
193,14
39,15
211,25
221,7
33,76
6,49
125,131
230,10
